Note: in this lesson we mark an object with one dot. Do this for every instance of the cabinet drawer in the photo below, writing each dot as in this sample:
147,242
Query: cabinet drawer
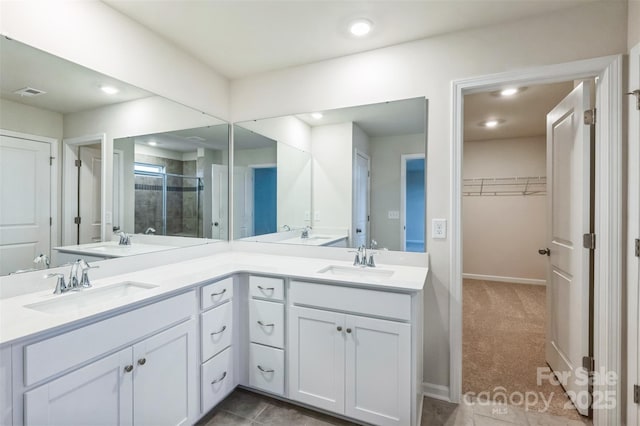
217,330
216,293
217,379
362,301
266,368
266,288
62,352
266,322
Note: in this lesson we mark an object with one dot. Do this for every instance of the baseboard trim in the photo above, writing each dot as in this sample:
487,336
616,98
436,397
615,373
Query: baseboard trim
436,391
514,280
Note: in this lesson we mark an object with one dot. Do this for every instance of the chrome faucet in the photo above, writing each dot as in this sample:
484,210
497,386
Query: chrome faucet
84,277
149,231
79,266
286,228
61,285
305,232
125,239
42,259
361,256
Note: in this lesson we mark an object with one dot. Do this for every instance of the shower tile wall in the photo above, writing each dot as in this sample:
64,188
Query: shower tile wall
189,198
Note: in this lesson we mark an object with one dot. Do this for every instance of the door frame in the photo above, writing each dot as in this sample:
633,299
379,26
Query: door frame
403,197
633,232
608,222
70,185
54,202
358,152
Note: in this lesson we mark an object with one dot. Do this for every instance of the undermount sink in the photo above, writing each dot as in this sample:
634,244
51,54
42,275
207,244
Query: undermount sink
318,237
82,299
356,271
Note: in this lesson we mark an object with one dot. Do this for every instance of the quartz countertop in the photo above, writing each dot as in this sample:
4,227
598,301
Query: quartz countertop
112,249
18,322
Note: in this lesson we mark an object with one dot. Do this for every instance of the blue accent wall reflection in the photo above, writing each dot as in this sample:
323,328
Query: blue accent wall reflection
264,200
415,205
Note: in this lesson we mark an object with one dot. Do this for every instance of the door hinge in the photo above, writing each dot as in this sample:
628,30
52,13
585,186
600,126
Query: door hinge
636,93
78,163
636,394
77,220
589,241
588,363
590,117
50,221
637,247
51,160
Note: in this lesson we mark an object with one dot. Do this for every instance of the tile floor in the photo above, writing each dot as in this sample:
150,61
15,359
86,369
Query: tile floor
247,408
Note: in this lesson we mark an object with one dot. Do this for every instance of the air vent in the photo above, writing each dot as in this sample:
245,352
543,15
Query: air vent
29,91
195,138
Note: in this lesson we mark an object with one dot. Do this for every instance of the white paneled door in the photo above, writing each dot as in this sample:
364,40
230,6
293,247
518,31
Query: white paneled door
25,202
242,202
569,195
220,201
361,200
89,191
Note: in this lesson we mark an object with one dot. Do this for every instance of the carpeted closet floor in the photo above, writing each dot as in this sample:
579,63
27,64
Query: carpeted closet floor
503,346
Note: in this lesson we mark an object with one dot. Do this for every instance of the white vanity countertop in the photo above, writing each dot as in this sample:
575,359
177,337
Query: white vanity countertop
112,249
18,322
315,239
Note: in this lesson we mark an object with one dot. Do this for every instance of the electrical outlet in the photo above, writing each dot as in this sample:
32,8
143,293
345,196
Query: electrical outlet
316,216
393,214
307,215
439,228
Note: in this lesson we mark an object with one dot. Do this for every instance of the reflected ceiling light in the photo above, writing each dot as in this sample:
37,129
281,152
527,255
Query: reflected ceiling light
491,123
360,27
509,92
109,90
152,143
317,115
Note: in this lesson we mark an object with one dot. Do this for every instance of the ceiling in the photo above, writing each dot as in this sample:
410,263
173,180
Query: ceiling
189,140
524,114
248,139
240,38
69,87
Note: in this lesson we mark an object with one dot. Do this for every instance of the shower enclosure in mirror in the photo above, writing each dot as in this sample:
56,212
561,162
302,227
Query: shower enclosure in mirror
365,178
64,184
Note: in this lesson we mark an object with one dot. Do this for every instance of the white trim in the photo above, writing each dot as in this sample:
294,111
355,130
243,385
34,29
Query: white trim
514,280
608,208
118,157
440,392
403,197
70,185
357,152
633,232
54,203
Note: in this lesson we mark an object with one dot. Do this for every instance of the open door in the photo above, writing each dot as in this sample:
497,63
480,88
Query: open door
220,200
89,194
569,219
361,199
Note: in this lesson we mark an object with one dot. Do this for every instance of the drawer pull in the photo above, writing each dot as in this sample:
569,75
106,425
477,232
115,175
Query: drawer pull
265,325
142,361
268,370
339,328
348,330
224,290
128,368
220,379
224,327
266,288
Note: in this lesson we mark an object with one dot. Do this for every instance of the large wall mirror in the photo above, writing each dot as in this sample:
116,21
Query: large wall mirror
345,177
74,147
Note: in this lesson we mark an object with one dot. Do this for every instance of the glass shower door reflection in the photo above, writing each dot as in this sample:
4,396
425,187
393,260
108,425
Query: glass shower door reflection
150,203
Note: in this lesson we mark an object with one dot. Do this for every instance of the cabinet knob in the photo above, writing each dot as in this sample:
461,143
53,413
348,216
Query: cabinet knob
339,328
348,330
128,368
142,361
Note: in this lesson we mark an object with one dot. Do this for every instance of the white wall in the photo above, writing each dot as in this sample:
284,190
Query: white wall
92,34
633,28
386,153
255,156
294,187
331,149
426,68
502,234
287,130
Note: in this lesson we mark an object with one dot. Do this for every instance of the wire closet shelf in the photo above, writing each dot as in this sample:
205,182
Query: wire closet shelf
505,186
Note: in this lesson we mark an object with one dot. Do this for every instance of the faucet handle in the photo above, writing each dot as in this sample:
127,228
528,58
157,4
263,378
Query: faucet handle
61,286
370,261
356,261
84,278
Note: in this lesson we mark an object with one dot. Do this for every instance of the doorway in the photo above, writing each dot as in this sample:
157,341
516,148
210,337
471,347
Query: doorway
412,203
265,200
608,198
361,198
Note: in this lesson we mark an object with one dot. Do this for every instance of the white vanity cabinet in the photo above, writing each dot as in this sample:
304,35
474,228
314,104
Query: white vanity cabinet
5,386
76,378
348,363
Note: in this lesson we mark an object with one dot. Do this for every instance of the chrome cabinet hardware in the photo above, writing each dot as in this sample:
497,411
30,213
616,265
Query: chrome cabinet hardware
348,330
219,293
128,368
266,288
265,370
339,328
220,379
142,361
266,325
224,327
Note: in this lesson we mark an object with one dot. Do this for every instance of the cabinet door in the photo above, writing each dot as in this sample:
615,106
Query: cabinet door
378,371
316,365
165,391
98,394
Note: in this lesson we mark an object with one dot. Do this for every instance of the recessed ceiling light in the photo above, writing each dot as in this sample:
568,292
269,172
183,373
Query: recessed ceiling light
491,123
360,27
509,92
317,115
152,143
109,90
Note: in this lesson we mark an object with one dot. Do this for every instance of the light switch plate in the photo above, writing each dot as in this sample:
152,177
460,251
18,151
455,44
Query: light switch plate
394,214
439,228
307,215
316,215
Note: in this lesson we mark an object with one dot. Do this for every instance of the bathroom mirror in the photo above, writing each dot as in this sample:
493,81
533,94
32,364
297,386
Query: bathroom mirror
367,175
62,181
272,180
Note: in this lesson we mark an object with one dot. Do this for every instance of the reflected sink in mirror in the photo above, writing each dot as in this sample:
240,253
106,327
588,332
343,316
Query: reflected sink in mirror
84,299
356,271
